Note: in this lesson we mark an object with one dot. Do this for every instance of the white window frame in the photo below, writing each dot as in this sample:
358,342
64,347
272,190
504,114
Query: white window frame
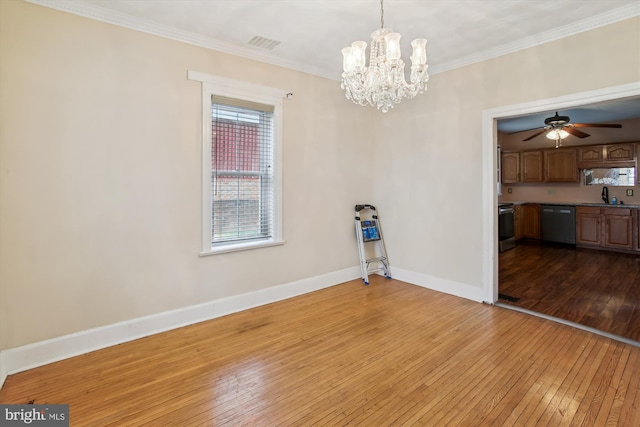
214,85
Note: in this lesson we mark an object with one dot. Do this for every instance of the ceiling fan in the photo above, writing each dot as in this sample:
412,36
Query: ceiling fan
559,127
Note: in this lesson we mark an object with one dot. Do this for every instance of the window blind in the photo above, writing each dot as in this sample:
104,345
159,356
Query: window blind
241,170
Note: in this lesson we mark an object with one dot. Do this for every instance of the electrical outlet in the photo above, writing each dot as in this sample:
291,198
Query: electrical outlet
509,190
629,192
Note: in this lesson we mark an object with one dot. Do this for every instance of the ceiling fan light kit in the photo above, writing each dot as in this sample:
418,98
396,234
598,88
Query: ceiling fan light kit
559,127
382,84
557,134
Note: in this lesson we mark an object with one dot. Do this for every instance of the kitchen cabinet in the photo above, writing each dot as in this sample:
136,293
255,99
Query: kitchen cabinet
530,221
611,228
510,165
563,164
618,228
588,226
517,222
594,154
532,166
560,165
636,227
606,156
638,164
619,152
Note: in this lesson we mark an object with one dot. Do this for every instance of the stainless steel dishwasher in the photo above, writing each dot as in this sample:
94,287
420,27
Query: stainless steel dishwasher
558,223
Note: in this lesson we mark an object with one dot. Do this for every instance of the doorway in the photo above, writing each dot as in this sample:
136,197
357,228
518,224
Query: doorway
490,163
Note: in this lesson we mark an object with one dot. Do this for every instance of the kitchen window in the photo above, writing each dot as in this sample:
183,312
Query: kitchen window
241,167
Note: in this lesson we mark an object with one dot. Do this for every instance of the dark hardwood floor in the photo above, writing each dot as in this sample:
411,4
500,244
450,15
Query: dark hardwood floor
594,288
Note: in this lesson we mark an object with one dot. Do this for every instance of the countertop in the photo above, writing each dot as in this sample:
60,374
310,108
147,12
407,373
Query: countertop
596,205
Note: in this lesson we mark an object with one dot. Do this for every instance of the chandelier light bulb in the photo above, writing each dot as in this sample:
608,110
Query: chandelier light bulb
419,56
347,60
359,52
392,41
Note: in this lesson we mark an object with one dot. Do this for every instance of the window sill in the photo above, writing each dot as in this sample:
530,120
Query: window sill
235,247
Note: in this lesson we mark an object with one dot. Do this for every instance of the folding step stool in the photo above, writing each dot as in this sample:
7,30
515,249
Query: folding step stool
370,242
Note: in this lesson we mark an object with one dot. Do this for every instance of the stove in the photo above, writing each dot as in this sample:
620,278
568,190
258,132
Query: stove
506,227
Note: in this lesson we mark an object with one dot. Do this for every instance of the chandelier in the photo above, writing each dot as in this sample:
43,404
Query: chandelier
382,84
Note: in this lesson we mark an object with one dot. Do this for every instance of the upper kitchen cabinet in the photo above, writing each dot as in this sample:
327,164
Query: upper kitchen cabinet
510,167
522,166
606,156
560,165
532,166
619,152
589,154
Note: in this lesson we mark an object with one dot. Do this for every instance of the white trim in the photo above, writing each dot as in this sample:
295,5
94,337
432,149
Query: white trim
242,247
119,19
437,284
41,353
569,323
250,92
3,370
607,18
102,14
489,148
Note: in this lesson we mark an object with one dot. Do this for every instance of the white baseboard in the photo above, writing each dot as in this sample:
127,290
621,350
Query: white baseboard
41,353
3,372
20,359
437,284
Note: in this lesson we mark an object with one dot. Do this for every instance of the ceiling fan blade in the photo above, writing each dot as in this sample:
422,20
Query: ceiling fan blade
526,130
535,134
575,132
597,125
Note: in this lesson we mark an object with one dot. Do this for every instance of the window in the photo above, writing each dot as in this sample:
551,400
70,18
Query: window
610,176
241,176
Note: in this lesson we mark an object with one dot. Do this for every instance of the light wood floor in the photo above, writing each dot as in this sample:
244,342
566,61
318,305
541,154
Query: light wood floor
594,288
385,354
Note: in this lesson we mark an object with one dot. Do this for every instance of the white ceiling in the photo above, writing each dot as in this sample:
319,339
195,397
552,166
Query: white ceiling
313,32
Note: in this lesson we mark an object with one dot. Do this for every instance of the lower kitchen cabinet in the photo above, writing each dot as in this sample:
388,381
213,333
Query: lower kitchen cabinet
588,230
530,221
618,228
636,227
611,228
517,222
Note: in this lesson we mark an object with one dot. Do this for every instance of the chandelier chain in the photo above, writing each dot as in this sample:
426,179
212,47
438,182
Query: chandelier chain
381,13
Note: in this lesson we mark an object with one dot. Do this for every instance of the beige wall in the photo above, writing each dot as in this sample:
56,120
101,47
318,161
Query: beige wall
433,144
100,186
100,164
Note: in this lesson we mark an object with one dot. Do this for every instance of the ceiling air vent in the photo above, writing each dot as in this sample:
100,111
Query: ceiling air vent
263,43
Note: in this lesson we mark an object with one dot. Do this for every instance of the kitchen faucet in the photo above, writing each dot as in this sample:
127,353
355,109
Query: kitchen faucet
605,194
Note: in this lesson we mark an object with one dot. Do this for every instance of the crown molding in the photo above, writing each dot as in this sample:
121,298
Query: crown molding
610,17
108,16
122,20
